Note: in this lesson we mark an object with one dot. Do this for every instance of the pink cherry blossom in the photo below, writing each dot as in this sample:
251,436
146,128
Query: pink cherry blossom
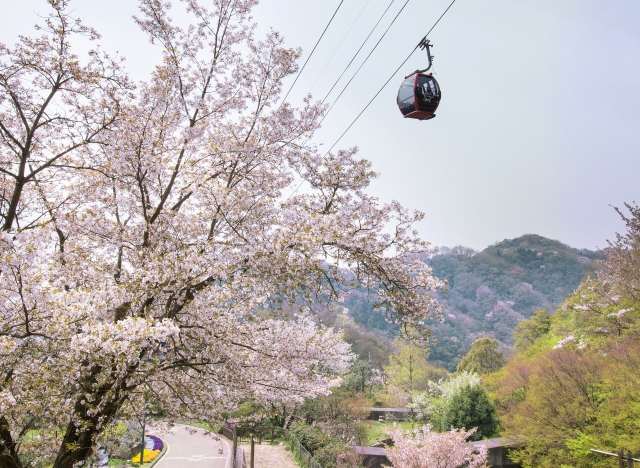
151,233
424,448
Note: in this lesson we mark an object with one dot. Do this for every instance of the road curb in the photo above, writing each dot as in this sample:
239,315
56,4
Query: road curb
229,462
165,446
179,442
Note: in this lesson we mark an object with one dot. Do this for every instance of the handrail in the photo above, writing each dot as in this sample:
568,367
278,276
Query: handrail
230,431
601,452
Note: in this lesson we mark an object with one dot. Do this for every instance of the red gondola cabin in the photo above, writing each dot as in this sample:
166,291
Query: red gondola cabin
419,96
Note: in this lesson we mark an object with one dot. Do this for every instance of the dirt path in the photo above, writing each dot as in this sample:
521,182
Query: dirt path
269,456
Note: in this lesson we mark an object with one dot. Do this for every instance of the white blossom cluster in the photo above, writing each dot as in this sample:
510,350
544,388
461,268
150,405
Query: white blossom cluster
148,242
433,403
425,448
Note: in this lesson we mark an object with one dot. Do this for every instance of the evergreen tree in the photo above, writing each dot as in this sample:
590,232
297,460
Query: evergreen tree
470,408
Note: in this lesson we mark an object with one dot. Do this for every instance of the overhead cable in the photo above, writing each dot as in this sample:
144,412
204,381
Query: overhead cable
340,44
387,82
314,48
372,99
361,65
365,60
358,51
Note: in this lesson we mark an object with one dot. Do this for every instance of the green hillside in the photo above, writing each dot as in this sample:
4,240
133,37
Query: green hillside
491,291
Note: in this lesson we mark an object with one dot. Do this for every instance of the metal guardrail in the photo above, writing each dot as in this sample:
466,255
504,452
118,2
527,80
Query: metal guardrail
302,453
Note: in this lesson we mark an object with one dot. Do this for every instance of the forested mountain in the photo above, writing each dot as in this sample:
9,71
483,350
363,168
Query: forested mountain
490,291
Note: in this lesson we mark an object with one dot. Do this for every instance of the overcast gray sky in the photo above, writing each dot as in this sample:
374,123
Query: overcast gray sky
538,130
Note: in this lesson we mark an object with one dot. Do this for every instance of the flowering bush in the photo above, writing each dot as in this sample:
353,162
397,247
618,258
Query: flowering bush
152,442
424,448
148,456
432,404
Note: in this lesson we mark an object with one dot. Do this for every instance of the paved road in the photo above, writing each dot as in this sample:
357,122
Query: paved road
189,447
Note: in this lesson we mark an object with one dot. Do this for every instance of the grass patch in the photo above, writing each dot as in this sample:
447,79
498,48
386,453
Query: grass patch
202,425
114,462
297,460
376,431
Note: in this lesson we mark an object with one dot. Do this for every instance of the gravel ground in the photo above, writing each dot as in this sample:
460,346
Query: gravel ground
269,456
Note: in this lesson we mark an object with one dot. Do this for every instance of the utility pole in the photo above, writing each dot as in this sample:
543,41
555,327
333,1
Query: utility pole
253,449
144,421
235,445
410,372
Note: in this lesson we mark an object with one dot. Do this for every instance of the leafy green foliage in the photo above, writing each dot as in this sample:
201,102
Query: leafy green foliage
113,462
325,445
575,386
312,438
483,357
337,413
490,292
408,367
327,455
528,331
432,406
469,408
552,399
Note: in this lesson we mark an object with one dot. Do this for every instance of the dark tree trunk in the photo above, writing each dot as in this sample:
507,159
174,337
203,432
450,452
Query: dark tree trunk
13,205
77,441
8,456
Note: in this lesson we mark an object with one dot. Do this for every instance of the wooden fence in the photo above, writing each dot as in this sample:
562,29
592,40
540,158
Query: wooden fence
622,456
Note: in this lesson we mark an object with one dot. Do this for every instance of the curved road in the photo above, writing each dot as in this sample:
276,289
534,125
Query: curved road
190,447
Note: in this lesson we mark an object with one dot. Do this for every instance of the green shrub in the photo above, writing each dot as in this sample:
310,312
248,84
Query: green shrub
311,437
470,408
327,456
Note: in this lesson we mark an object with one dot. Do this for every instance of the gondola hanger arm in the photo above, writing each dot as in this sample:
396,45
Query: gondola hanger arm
424,44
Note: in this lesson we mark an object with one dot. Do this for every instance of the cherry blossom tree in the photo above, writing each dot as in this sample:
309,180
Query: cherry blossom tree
432,404
151,233
623,256
424,448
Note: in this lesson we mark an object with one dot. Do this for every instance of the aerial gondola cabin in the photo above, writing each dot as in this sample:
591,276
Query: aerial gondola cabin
419,96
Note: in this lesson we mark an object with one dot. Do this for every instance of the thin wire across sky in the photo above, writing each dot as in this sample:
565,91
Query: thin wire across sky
361,65
312,51
389,80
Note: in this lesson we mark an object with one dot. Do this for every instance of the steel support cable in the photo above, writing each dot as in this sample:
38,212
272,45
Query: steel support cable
365,61
378,93
358,51
314,48
352,59
390,78
354,75
341,42
372,99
